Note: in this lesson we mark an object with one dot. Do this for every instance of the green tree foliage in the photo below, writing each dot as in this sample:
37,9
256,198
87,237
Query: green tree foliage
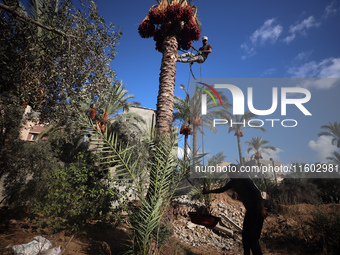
54,57
295,191
297,188
259,146
25,170
76,194
323,234
10,126
55,66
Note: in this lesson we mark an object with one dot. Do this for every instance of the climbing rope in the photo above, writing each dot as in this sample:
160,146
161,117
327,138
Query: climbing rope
188,87
202,117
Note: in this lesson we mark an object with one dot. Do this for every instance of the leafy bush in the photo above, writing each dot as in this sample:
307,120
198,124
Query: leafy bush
329,189
324,232
25,172
295,191
77,193
311,191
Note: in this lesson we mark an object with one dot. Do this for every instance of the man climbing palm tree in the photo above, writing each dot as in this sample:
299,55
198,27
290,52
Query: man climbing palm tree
201,56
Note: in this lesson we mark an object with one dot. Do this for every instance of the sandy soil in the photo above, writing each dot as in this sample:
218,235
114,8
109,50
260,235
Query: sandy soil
283,233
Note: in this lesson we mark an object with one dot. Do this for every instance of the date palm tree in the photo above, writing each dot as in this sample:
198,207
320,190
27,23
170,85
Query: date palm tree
237,128
259,146
333,131
177,27
182,114
188,113
111,111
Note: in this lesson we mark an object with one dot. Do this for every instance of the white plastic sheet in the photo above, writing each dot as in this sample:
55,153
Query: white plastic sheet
39,244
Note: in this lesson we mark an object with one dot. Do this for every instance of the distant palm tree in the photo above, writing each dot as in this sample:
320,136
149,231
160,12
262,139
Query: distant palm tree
259,146
333,131
189,113
237,128
335,159
182,107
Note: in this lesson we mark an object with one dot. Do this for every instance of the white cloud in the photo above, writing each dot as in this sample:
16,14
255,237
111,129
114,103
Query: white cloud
249,51
268,32
302,56
271,31
324,148
327,68
301,28
269,71
289,38
304,25
181,153
273,154
330,10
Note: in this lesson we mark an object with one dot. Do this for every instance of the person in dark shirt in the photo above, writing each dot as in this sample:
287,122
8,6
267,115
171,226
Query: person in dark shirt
251,197
201,56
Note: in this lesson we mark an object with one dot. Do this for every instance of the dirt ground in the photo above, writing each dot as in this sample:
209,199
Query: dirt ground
283,233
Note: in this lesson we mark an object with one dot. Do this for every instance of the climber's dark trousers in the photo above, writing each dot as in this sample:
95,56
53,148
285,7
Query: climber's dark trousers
251,232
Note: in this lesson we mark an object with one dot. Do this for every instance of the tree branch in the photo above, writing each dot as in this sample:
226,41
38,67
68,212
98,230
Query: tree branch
13,10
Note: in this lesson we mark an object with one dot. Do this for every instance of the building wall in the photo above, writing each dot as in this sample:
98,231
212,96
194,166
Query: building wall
149,116
31,129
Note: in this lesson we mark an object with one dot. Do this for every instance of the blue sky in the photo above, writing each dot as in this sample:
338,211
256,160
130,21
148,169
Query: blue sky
250,39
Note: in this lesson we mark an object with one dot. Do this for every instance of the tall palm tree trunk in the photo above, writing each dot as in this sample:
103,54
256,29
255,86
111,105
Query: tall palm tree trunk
194,143
263,177
239,149
186,138
165,99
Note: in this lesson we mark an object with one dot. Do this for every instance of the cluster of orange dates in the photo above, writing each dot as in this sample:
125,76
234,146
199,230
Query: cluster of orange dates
177,18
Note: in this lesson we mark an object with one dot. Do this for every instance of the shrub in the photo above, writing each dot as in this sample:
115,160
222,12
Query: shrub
324,232
77,193
25,172
295,191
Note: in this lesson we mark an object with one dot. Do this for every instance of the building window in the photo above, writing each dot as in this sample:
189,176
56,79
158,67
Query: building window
34,137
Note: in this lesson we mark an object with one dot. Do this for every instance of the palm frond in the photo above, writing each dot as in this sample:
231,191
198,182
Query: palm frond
335,158
163,179
258,145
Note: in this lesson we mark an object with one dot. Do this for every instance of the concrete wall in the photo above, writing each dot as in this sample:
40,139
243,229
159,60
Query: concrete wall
149,116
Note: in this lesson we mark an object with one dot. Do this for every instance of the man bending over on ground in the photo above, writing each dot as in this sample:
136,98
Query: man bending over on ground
251,197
